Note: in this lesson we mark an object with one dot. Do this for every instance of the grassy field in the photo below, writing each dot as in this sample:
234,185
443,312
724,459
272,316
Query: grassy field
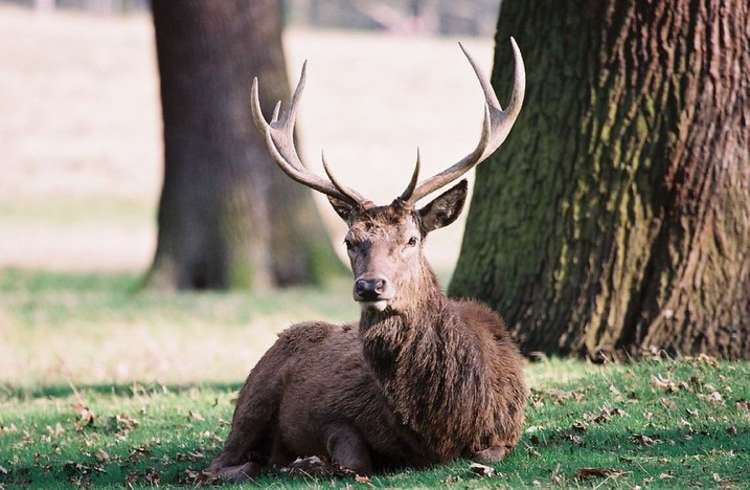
103,386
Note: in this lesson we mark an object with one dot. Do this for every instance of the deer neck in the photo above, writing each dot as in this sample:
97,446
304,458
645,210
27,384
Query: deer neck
419,358
425,305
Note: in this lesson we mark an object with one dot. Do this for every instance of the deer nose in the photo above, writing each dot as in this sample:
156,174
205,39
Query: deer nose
370,289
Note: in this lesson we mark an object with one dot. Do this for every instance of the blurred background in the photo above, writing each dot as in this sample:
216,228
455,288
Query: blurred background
81,132
83,165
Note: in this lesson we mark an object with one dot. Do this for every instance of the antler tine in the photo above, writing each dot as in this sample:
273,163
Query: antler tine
351,194
279,138
496,125
406,195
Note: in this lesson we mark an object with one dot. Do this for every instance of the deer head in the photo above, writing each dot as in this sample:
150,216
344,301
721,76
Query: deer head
385,243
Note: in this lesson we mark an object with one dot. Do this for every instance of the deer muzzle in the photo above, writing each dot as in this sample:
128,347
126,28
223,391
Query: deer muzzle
372,291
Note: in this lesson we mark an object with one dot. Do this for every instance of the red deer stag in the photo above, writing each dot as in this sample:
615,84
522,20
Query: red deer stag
422,378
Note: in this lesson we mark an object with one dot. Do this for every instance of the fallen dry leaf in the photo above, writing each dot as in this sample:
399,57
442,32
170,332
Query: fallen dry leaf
362,479
577,440
560,396
451,479
706,359
122,424
200,478
84,416
131,480
314,466
657,381
644,440
743,406
606,414
580,426
481,469
715,398
585,473
101,455
152,477
55,431
137,453
196,416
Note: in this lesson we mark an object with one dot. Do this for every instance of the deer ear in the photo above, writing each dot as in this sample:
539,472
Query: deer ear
444,209
342,208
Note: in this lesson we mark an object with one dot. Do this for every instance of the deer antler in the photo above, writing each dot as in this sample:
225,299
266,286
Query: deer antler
495,127
279,136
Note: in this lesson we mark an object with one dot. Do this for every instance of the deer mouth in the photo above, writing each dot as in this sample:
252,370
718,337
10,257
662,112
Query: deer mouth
377,305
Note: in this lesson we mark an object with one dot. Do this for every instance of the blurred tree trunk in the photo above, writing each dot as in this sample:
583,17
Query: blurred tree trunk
227,215
617,215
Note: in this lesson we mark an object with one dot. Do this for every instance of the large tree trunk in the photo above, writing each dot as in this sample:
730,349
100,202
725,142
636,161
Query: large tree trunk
227,216
617,214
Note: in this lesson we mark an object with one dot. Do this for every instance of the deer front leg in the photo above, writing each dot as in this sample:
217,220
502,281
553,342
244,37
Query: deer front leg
347,448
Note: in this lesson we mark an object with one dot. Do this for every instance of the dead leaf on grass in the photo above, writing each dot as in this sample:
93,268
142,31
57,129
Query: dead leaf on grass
131,480
55,431
715,398
577,440
196,456
482,470
668,404
152,477
606,414
580,426
743,406
644,440
84,416
706,359
198,478
122,424
101,455
137,453
315,466
561,396
363,479
451,479
657,381
585,473
196,416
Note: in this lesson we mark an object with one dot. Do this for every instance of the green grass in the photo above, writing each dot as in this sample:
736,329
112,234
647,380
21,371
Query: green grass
664,424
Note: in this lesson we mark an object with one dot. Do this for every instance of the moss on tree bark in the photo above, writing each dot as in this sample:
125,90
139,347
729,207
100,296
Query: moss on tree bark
617,214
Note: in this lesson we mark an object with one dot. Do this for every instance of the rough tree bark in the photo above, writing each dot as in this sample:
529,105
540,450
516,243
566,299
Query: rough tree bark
617,214
227,215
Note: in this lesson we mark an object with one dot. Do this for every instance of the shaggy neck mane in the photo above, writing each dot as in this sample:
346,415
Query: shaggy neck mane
430,366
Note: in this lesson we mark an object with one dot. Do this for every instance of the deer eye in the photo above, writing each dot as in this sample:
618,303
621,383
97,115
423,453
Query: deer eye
413,241
348,244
